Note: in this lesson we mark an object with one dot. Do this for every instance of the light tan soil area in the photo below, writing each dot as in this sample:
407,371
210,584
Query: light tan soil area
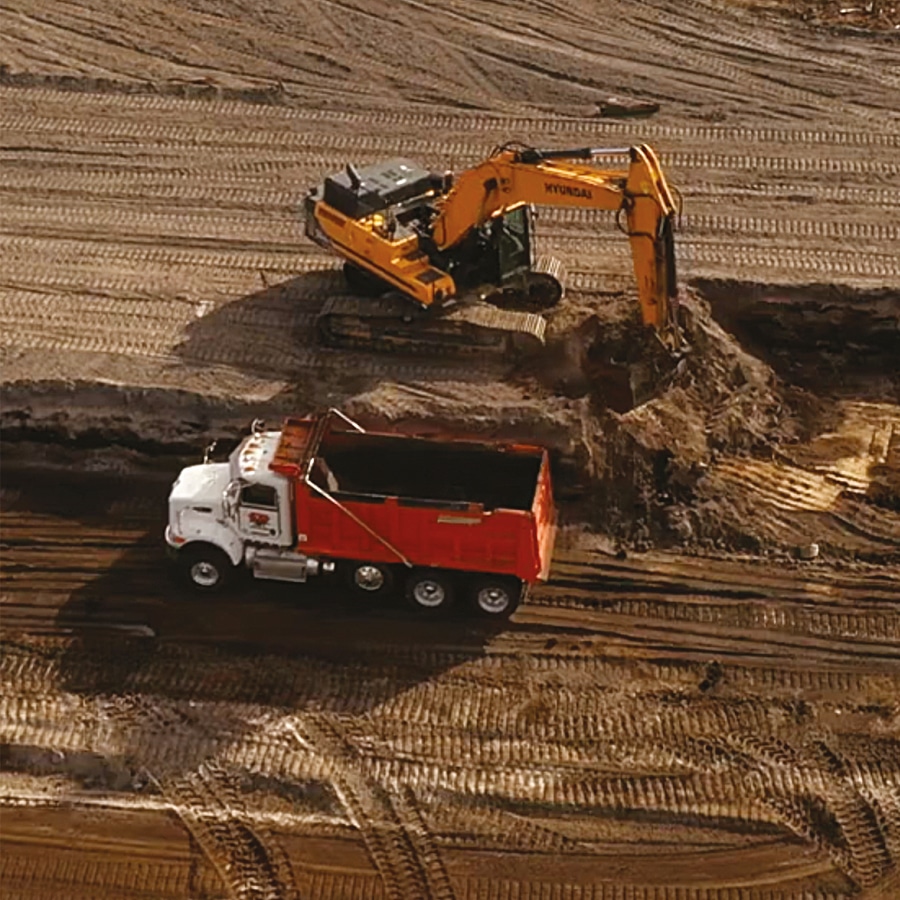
703,703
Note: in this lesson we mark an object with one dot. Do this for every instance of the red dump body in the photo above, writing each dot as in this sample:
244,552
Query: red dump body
441,503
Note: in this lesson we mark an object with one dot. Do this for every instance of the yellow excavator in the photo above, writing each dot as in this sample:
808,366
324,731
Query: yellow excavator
437,262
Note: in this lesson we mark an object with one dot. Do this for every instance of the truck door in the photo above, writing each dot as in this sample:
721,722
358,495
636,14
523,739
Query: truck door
258,513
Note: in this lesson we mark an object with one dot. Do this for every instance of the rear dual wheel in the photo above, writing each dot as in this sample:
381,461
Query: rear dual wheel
491,597
495,598
430,591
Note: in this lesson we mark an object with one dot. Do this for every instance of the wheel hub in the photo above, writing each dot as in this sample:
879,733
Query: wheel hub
368,578
493,599
204,573
429,593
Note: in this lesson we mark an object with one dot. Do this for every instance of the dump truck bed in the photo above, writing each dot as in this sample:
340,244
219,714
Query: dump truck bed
439,503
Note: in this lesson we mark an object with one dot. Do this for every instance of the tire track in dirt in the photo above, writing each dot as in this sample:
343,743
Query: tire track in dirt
720,223
759,42
727,576
389,821
74,251
249,865
624,733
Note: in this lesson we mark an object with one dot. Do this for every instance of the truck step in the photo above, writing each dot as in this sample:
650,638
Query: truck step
278,566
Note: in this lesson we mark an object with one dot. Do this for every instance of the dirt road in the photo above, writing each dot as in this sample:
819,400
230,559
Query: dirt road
710,719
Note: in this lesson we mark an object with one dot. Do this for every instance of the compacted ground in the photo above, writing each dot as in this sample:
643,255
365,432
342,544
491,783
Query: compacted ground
701,704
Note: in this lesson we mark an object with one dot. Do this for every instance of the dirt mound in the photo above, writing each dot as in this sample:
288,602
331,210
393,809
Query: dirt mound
634,469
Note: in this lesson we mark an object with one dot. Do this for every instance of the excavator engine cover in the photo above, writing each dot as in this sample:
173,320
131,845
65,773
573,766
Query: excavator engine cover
359,193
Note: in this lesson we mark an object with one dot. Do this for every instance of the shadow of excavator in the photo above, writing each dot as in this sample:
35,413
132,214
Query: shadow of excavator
271,334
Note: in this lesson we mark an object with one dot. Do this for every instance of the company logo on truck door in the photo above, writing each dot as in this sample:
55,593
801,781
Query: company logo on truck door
567,190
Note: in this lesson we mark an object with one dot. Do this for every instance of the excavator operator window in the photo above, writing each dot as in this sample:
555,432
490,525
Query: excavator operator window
514,243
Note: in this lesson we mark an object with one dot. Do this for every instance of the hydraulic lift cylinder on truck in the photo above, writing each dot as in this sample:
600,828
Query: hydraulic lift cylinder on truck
440,519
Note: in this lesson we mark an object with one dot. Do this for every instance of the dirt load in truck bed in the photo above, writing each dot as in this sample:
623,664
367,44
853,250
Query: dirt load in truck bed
701,703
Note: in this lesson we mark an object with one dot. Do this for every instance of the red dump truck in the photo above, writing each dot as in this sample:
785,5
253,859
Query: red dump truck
440,519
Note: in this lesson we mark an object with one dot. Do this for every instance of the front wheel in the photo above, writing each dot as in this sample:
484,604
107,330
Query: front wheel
495,598
429,591
206,568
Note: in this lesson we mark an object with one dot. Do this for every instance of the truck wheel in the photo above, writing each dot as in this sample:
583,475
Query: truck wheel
495,598
206,568
429,590
369,580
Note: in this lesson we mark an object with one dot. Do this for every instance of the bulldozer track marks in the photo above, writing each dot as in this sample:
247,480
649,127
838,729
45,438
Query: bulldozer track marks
73,251
752,705
699,223
474,122
661,31
789,488
702,252
236,228
209,226
791,192
882,627
295,146
89,876
523,737
503,888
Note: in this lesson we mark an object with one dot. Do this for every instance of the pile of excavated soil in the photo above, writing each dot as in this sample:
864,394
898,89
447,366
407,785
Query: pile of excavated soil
633,471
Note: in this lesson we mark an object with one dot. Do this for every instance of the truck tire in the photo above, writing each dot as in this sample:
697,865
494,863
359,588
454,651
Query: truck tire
494,597
206,568
429,590
368,580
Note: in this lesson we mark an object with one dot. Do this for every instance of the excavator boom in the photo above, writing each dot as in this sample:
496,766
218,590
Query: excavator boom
514,177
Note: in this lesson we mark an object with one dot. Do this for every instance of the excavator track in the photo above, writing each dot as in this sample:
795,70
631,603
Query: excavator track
392,324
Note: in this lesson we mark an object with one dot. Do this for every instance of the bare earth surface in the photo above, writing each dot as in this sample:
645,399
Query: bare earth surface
690,709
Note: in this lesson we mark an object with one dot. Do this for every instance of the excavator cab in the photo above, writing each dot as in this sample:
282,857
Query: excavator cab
514,251
496,262
498,253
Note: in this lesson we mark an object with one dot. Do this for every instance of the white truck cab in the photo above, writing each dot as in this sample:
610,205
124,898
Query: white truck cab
224,514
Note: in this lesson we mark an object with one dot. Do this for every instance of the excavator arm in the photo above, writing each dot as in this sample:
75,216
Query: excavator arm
515,176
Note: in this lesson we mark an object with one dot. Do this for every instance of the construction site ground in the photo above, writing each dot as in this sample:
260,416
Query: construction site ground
703,703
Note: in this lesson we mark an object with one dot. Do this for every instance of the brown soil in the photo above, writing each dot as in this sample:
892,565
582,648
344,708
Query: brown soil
703,701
